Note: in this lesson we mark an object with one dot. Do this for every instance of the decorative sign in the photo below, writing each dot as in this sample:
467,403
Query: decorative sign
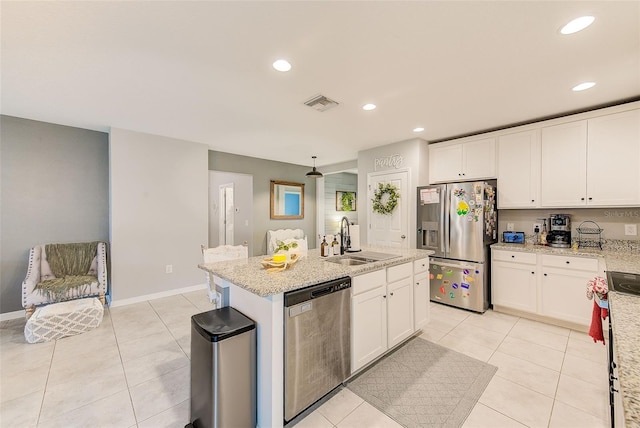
391,161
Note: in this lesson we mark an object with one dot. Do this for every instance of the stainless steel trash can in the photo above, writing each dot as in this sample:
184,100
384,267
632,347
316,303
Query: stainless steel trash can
223,370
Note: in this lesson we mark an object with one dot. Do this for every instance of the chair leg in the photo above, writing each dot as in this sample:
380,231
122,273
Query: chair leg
29,310
102,298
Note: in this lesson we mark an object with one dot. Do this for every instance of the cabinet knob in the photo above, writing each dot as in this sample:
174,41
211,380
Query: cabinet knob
582,199
533,200
384,296
513,257
591,199
533,273
392,294
568,262
545,274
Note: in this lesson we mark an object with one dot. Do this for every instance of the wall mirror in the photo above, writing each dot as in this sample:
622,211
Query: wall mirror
287,200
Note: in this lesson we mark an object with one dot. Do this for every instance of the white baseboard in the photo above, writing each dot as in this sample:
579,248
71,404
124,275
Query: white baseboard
115,303
12,315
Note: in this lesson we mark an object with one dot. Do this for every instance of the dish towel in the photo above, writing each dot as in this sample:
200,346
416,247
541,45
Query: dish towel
595,331
599,287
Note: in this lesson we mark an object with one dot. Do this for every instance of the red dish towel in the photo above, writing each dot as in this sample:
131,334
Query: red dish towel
595,331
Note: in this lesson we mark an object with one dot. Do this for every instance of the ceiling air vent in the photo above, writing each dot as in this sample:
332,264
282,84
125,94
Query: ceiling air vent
321,103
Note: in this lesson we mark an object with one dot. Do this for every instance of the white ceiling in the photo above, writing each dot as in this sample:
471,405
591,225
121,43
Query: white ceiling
201,71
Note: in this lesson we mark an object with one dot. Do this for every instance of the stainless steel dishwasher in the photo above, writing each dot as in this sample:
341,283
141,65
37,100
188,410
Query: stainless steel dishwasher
317,343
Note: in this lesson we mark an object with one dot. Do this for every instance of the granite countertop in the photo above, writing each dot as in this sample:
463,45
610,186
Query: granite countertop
624,317
619,261
310,270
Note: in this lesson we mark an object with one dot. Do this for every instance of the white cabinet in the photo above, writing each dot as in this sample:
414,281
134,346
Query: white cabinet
519,170
513,280
462,161
383,310
613,160
552,286
368,327
420,293
592,162
399,311
563,288
399,303
564,165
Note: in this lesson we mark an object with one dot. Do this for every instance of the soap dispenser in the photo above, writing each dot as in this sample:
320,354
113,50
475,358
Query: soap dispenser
324,247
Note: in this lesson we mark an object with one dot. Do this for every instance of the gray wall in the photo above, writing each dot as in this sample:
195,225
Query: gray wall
339,182
243,204
263,172
54,188
159,199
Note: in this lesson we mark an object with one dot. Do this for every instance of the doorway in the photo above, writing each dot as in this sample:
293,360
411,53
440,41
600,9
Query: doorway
230,209
390,230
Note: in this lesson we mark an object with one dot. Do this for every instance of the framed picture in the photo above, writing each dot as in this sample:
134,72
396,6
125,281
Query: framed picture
345,201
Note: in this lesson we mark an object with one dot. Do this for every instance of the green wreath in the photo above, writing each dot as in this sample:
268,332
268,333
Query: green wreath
392,201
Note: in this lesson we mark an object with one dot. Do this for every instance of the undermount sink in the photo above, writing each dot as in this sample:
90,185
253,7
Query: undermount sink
361,258
347,261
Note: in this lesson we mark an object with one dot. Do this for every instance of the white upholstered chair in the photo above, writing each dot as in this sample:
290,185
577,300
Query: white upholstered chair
220,254
286,236
61,272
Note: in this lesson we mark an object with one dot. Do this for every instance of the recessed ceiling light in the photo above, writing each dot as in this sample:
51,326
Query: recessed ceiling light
418,129
577,24
282,65
368,107
583,86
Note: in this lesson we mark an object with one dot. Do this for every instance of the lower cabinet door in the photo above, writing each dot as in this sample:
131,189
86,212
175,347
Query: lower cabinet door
368,327
399,311
421,301
564,295
513,285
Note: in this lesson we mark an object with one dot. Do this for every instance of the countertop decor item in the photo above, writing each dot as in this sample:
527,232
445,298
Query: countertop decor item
273,266
392,200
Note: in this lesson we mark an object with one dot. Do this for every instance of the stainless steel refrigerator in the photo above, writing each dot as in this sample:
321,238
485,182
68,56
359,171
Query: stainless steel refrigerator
458,221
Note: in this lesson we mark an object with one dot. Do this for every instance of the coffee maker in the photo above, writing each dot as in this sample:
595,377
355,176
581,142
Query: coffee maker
559,235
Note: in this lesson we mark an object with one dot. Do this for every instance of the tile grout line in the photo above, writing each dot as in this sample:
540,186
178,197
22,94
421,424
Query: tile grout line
115,335
46,383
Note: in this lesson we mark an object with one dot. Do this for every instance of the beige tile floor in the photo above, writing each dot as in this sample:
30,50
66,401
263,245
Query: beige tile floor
133,371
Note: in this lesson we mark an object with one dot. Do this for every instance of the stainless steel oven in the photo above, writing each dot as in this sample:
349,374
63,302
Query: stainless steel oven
317,343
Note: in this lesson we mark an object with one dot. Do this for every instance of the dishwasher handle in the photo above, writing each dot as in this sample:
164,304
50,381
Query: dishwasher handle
317,291
322,291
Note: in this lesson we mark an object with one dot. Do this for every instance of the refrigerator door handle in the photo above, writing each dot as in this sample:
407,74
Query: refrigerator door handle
445,205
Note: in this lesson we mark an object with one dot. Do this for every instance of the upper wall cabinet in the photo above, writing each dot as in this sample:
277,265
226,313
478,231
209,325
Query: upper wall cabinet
519,170
471,160
592,162
564,165
613,160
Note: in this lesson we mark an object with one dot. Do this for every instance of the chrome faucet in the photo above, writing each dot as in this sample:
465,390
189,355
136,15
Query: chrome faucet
345,239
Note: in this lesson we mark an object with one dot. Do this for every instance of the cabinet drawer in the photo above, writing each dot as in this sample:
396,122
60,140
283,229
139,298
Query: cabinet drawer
580,263
368,281
399,272
514,256
421,265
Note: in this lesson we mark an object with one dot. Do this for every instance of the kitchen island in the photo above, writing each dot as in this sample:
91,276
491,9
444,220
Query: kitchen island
260,296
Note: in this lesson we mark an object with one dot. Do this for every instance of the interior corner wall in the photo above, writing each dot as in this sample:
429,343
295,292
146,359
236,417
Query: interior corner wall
263,171
335,183
54,189
158,200
413,154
